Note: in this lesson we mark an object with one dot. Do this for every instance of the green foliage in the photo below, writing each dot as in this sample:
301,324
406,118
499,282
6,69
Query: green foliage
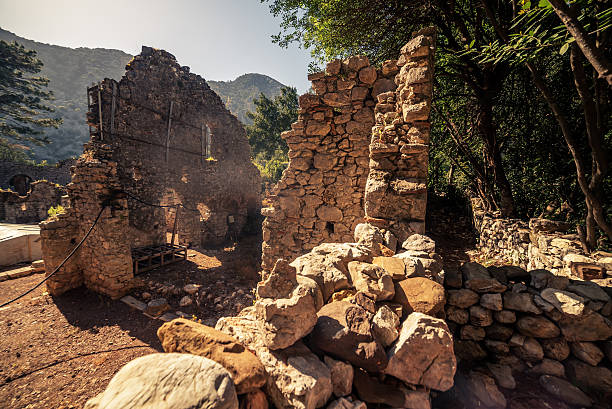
55,211
270,119
23,99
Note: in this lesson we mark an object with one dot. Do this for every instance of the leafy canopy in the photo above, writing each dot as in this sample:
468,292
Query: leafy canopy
23,96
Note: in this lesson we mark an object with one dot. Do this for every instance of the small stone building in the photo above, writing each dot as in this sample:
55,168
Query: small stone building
160,137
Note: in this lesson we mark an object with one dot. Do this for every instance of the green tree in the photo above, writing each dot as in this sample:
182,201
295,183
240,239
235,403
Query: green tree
23,98
271,118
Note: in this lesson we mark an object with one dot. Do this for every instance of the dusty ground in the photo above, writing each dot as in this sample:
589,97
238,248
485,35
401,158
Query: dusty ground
59,352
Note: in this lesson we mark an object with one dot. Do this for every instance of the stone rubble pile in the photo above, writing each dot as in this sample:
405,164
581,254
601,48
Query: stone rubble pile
509,322
539,243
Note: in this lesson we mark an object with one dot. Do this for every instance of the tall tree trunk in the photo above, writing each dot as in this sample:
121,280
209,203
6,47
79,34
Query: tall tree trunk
588,47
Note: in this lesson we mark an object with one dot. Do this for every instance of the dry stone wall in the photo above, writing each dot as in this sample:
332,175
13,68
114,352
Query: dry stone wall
33,207
539,243
360,120
160,137
58,173
507,321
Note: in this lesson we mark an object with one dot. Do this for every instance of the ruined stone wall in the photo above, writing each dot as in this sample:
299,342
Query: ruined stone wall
33,207
539,243
58,173
149,147
507,321
358,122
396,192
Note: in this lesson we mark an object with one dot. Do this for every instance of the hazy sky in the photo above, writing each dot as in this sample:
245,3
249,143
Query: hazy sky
218,39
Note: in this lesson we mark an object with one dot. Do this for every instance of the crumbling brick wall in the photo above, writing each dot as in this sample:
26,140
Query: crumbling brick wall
160,136
358,122
33,207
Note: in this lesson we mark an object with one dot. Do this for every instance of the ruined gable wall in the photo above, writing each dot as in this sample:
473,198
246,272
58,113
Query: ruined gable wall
149,146
320,196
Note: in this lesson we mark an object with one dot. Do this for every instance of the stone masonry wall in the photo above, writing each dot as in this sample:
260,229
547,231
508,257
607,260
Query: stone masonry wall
58,173
33,207
508,322
358,122
539,243
150,146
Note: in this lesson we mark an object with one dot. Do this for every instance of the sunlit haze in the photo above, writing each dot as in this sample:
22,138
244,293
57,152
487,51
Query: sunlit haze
218,40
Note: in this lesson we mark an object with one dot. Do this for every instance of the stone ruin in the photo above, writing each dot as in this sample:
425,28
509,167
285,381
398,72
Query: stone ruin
359,151
159,136
32,207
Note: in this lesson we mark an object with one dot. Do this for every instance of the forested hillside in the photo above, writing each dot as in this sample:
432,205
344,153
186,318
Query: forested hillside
71,70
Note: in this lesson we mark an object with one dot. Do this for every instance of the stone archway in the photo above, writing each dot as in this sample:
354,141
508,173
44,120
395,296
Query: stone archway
20,183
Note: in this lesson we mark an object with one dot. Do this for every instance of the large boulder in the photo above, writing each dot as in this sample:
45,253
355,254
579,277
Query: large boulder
384,325
372,280
419,242
296,378
327,264
423,354
594,380
421,295
538,327
181,335
181,381
341,376
343,330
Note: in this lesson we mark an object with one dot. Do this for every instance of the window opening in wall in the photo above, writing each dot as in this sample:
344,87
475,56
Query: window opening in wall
329,226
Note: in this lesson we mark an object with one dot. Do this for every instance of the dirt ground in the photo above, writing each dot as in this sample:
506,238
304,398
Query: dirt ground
57,352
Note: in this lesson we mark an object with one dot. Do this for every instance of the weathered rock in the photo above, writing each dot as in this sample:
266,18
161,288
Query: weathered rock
254,400
587,352
313,289
463,298
543,278
478,278
185,301
497,347
556,348
499,332
296,378
419,294
503,375
186,336
157,306
453,278
343,331
480,316
472,333
181,381
372,280
543,305
530,351
367,234
588,290
393,266
538,327
341,376
588,327
476,390
594,380
372,391
384,326
505,316
423,353
565,302
469,350
522,302
191,289
419,242
287,320
492,301
458,315
343,403
280,283
565,391
549,367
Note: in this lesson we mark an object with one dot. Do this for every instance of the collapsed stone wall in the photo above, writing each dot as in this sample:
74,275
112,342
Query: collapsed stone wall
33,207
160,136
539,243
361,121
507,321
58,173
